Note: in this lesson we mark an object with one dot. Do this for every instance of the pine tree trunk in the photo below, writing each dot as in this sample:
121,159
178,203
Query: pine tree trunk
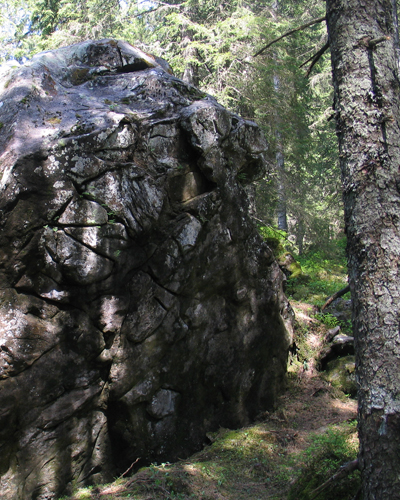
281,208
190,75
368,117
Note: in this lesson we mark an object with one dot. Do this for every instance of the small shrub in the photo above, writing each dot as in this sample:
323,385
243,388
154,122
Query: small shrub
326,275
327,319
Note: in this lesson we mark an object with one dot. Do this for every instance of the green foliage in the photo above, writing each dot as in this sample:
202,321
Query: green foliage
327,319
322,459
275,238
306,350
327,274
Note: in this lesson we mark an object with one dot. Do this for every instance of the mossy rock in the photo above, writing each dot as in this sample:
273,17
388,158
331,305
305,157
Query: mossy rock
340,373
275,244
290,266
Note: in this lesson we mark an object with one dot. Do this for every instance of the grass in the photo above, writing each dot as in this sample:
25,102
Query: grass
322,277
254,462
326,453
322,272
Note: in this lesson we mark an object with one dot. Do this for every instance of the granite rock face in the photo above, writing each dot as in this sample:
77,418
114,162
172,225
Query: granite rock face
139,308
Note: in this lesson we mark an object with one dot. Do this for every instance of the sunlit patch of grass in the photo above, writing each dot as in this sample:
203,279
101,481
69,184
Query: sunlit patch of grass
255,462
326,275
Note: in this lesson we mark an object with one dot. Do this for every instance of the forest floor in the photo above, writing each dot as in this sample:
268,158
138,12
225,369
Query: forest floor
285,455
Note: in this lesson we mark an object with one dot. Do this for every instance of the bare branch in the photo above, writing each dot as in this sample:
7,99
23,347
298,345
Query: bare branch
303,26
161,6
316,58
335,296
129,468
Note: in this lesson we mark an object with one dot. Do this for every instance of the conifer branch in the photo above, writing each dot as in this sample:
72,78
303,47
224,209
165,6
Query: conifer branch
303,26
315,58
161,5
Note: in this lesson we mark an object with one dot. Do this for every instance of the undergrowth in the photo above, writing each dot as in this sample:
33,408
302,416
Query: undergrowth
325,276
323,272
325,455
248,463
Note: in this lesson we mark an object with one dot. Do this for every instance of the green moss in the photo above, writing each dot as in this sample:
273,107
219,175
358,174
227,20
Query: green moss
54,120
289,263
80,75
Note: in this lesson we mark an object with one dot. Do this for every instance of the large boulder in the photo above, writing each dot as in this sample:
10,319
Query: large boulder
139,307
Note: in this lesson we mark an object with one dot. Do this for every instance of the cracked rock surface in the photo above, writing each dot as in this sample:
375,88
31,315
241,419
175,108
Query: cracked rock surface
139,308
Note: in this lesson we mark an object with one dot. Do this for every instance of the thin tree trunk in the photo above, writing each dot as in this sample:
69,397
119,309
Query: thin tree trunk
190,75
300,232
367,94
281,189
281,209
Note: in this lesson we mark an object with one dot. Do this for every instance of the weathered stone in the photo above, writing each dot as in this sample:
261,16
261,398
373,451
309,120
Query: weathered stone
140,309
341,345
83,213
341,374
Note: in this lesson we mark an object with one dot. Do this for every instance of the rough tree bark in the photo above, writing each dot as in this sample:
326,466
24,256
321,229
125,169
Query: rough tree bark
368,117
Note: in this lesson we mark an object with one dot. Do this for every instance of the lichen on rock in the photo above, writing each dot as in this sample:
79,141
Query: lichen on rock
140,309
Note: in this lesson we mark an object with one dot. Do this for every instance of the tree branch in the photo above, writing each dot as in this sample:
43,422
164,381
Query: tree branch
316,57
129,468
344,470
303,26
335,296
161,5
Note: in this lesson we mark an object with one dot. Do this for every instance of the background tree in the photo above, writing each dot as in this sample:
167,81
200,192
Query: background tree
367,93
311,174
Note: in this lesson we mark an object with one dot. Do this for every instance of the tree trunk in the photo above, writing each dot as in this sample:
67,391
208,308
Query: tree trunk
281,209
190,75
367,118
396,31
300,233
281,189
